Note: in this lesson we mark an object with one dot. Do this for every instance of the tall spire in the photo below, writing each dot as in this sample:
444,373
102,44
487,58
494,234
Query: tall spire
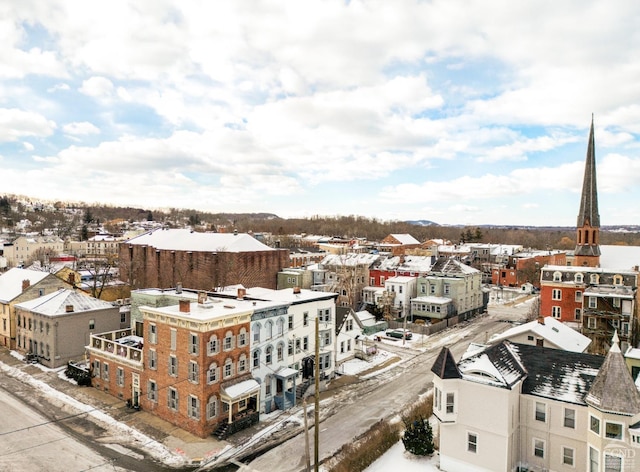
589,203
587,252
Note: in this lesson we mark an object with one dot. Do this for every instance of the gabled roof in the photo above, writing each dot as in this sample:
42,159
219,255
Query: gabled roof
452,266
56,303
613,390
497,365
405,239
445,366
551,330
11,282
187,240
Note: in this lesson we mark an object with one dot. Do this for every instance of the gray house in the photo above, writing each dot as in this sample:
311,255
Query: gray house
55,328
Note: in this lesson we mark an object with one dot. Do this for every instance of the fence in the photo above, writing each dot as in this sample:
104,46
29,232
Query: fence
428,329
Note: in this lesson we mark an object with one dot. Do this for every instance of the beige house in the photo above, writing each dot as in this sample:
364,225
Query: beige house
25,248
56,327
19,285
521,407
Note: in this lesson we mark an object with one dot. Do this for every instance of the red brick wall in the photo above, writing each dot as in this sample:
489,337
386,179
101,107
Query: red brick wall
145,266
567,303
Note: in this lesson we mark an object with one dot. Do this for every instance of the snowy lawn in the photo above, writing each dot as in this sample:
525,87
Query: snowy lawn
397,458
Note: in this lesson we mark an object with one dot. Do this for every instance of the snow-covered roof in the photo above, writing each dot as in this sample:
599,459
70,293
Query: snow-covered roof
351,259
11,282
588,270
551,330
366,318
430,299
632,353
406,263
405,239
400,279
452,266
187,240
56,303
288,295
213,308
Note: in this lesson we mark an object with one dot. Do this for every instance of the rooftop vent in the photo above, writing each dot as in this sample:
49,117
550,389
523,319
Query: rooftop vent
68,309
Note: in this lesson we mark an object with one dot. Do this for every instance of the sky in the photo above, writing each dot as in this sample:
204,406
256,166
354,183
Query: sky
451,111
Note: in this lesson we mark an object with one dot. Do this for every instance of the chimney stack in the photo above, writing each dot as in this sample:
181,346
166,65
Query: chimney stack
26,283
179,287
241,293
71,278
202,297
541,319
68,309
296,290
185,306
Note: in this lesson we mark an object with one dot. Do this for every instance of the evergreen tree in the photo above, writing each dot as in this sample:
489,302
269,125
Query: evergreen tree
418,436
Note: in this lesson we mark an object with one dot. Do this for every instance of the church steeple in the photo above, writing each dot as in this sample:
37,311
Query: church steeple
587,252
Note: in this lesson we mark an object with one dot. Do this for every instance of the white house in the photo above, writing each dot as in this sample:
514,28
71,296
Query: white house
520,407
404,289
546,332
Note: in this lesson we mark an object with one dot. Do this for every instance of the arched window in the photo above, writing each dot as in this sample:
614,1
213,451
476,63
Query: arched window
269,328
578,278
228,368
256,359
594,279
228,341
280,352
242,337
280,326
256,332
242,363
213,346
269,355
557,276
212,407
212,373
617,280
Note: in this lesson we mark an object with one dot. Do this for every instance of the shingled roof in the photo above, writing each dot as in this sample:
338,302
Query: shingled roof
445,366
613,390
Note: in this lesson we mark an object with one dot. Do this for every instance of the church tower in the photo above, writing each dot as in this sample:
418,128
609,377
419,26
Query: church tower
587,252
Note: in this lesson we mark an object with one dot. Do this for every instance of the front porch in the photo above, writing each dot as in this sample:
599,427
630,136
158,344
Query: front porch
240,403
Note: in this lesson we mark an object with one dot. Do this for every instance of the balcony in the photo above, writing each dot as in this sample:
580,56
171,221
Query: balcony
121,344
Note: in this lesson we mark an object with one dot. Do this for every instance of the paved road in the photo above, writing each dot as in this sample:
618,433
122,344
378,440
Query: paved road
357,408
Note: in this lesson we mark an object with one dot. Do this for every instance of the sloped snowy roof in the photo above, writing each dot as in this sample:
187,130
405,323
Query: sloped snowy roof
351,259
552,330
11,282
241,388
498,365
451,266
56,303
187,240
405,239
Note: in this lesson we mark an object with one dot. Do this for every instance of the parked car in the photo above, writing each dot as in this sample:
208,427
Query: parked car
397,333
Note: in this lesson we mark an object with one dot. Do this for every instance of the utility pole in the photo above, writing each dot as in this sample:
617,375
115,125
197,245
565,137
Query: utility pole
306,436
316,437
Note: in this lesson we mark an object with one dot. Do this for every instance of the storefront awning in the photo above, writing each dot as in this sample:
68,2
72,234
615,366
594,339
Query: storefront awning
243,389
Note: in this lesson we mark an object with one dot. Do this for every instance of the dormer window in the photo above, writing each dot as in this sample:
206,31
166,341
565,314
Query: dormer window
617,280
579,278
557,276
594,279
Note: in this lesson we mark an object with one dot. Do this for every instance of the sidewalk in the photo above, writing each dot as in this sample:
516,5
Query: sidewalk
181,446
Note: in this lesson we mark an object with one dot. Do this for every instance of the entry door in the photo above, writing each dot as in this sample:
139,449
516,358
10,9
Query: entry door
135,390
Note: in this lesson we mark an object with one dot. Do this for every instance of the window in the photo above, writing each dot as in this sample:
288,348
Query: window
173,366
153,359
298,344
594,462
193,372
120,377
212,373
556,311
450,402
194,407
578,296
173,339
228,341
280,352
556,294
212,408
617,280
268,355
578,314
242,364
92,324
594,424
541,412
579,278
153,334
567,455
212,345
152,390
447,289
305,319
326,338
193,343
290,322
96,368
305,343
593,302
290,348
242,337
324,314
557,276
437,399
594,278
432,289
267,385
591,322
612,463
256,333
228,368
105,371
616,302
172,398
538,447
269,329
613,430
569,418
472,442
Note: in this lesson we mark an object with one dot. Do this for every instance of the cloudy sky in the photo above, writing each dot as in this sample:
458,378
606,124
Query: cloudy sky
459,112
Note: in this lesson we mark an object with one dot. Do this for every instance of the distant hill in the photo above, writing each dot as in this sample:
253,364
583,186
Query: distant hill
422,223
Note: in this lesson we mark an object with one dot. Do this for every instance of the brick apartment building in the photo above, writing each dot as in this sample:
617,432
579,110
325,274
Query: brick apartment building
163,258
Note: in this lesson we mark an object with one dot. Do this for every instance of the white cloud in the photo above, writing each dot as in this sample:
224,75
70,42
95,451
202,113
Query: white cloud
28,146
80,128
97,87
16,124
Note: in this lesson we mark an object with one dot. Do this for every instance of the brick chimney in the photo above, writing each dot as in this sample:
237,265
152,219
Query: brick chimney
71,278
241,293
185,306
296,290
26,283
541,319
